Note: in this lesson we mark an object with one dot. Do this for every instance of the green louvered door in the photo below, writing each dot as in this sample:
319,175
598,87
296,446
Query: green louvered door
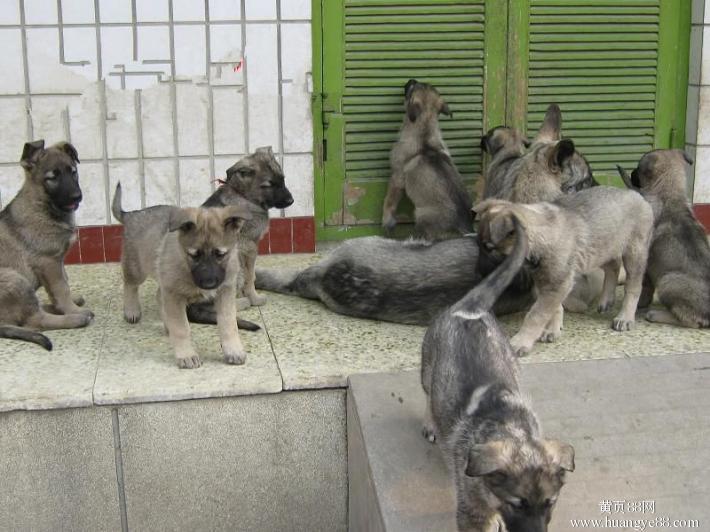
611,66
381,44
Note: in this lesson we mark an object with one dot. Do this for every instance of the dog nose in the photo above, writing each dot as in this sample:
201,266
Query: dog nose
289,201
209,284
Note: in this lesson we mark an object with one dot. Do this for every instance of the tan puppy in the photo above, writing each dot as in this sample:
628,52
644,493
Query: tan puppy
596,228
198,260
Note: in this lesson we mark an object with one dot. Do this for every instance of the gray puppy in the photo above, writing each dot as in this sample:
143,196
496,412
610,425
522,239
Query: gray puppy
423,169
594,228
198,260
489,435
255,181
403,282
36,229
679,257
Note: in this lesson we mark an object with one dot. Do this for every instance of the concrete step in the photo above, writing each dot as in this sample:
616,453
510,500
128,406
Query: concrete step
640,428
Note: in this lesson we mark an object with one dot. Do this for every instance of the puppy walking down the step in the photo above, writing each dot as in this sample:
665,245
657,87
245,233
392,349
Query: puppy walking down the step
502,467
36,230
198,259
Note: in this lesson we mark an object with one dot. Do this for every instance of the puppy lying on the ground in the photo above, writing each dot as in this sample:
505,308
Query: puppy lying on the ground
423,169
488,433
36,229
679,258
198,259
594,228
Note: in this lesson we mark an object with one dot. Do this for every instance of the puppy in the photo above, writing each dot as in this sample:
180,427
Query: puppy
488,433
255,181
551,168
679,257
36,229
198,259
423,169
594,228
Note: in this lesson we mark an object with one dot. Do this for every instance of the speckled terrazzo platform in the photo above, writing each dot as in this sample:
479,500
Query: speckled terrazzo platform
302,345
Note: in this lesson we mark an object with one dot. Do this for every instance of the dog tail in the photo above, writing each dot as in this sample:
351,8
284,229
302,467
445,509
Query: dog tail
302,283
116,209
19,333
625,177
247,325
484,295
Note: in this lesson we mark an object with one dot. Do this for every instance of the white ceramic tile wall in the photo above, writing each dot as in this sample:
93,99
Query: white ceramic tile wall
697,130
156,102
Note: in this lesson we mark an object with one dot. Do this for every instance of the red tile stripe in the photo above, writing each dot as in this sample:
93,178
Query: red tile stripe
103,243
702,213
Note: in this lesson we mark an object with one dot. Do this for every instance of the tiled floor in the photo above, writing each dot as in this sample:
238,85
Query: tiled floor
301,345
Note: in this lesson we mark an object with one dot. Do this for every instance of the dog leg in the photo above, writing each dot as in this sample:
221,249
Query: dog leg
537,318
611,277
45,321
428,425
553,330
662,316
635,265
175,320
225,305
395,191
647,290
249,278
131,303
54,281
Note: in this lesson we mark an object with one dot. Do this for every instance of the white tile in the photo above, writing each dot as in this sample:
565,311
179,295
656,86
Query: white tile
49,118
296,51
705,61
141,81
263,120
228,113
696,50
195,186
192,119
157,122
296,9
80,45
13,118
225,75
224,10
128,174
188,10
222,163
121,135
297,119
160,183
78,12
11,180
92,210
41,12
85,122
152,10
13,79
298,170
116,49
154,43
704,116
47,75
115,10
260,9
10,12
225,43
691,120
262,64
698,11
707,11
190,52
701,188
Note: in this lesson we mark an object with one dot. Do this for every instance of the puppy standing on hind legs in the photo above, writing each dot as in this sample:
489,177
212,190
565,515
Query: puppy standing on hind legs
489,435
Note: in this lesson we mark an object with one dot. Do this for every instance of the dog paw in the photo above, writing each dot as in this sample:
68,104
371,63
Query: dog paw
243,303
429,434
132,317
605,306
257,300
620,324
550,336
520,348
190,362
388,224
235,356
79,301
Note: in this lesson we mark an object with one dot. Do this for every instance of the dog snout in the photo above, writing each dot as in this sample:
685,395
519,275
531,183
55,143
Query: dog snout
285,201
208,275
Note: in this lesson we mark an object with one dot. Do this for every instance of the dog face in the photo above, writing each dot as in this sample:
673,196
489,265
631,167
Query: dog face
525,476
502,137
496,230
54,171
661,171
258,177
422,101
208,238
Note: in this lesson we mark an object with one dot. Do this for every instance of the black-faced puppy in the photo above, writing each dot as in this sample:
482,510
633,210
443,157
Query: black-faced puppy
679,258
491,439
504,145
423,169
198,260
595,228
36,229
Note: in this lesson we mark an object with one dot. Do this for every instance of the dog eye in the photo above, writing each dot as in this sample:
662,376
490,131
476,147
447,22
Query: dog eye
518,504
266,184
195,254
550,502
50,176
219,253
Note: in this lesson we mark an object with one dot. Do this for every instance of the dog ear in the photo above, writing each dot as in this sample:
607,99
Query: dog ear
414,109
485,143
265,150
625,177
30,153
234,216
561,454
69,149
409,87
526,142
444,109
182,220
500,227
487,458
240,170
551,127
562,151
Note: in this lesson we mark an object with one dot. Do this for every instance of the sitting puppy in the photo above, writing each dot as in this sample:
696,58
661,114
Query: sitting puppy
198,259
36,229
594,228
423,169
679,257
489,435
